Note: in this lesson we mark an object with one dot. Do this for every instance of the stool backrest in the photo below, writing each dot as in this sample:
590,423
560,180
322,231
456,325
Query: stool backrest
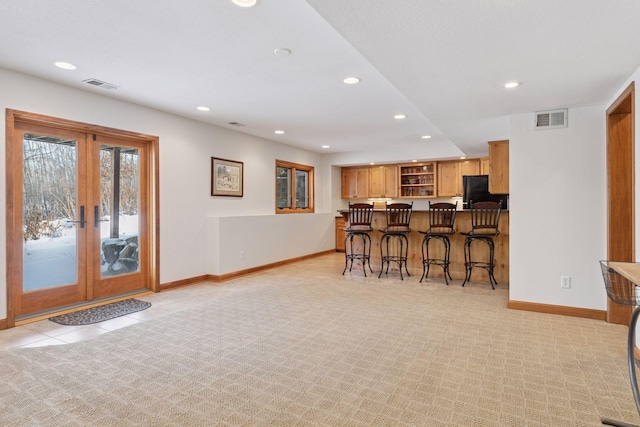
360,216
442,216
398,216
485,217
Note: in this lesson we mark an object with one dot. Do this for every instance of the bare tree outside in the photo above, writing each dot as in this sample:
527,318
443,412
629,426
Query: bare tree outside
49,185
50,190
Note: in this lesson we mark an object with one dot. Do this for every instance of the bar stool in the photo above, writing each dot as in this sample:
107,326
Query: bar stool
398,217
360,216
441,219
484,227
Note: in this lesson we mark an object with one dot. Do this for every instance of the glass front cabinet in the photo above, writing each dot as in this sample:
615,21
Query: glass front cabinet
418,180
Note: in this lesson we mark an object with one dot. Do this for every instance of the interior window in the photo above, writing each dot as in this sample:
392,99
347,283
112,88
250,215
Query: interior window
294,187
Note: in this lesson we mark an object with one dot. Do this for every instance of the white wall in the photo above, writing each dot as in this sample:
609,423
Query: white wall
187,237
557,209
245,242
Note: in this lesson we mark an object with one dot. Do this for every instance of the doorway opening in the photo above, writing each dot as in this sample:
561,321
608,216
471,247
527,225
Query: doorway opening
621,190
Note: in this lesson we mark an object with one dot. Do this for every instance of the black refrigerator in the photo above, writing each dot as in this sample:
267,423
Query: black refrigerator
475,188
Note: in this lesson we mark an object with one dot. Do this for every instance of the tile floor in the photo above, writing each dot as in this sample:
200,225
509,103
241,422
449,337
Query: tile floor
46,332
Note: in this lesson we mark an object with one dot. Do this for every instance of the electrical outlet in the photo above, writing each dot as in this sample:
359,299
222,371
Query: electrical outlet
241,253
565,282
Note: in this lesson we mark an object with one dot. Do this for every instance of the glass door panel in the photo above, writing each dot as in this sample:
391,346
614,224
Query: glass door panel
119,210
49,212
119,201
48,232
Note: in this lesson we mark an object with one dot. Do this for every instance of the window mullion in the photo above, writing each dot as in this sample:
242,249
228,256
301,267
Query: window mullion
293,189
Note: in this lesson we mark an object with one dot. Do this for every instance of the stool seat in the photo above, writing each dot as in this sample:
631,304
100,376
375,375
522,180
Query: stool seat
398,216
441,221
484,227
360,216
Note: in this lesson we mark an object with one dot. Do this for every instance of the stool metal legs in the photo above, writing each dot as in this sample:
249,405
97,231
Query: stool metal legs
427,261
364,256
400,258
469,264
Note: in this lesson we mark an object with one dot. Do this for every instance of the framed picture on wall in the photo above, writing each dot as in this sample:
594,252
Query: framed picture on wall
226,177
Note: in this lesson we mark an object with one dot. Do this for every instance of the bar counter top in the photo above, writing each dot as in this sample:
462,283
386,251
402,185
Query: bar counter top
346,211
420,222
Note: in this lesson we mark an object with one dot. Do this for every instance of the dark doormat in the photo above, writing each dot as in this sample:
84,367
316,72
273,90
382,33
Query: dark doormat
101,313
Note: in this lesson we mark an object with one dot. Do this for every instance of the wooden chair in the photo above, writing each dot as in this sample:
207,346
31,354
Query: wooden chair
360,216
442,217
484,227
398,217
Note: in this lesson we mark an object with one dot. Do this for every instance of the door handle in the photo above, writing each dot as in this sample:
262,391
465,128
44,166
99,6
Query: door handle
81,221
96,220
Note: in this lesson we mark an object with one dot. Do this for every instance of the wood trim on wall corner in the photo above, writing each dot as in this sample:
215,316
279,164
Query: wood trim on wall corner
183,282
586,313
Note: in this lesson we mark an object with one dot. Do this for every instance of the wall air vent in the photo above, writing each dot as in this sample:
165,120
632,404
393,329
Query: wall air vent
100,83
551,119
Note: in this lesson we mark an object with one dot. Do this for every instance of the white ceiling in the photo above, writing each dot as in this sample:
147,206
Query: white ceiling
440,62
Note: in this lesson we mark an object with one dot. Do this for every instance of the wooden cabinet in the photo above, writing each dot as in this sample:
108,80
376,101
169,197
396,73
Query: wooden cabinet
422,180
448,173
340,234
450,176
484,166
355,183
499,167
418,180
383,181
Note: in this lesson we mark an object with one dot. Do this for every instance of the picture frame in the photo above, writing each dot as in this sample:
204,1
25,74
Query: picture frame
227,177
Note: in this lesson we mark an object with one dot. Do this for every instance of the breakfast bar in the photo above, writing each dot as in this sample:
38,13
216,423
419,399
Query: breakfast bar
420,222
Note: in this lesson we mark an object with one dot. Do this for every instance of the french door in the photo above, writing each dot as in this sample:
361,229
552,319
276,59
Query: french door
79,216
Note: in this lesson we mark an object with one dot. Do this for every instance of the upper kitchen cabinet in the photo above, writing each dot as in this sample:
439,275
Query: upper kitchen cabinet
383,181
484,166
499,167
450,176
355,183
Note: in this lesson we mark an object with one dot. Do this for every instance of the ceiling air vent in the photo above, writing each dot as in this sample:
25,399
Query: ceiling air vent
235,124
551,119
100,83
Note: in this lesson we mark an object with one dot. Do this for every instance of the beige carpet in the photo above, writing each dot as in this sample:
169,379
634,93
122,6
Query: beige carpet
303,346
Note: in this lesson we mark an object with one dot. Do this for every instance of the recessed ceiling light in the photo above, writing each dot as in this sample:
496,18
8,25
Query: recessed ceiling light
245,3
64,65
414,161
463,157
372,163
326,146
203,108
400,116
282,51
279,132
425,136
351,80
511,85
